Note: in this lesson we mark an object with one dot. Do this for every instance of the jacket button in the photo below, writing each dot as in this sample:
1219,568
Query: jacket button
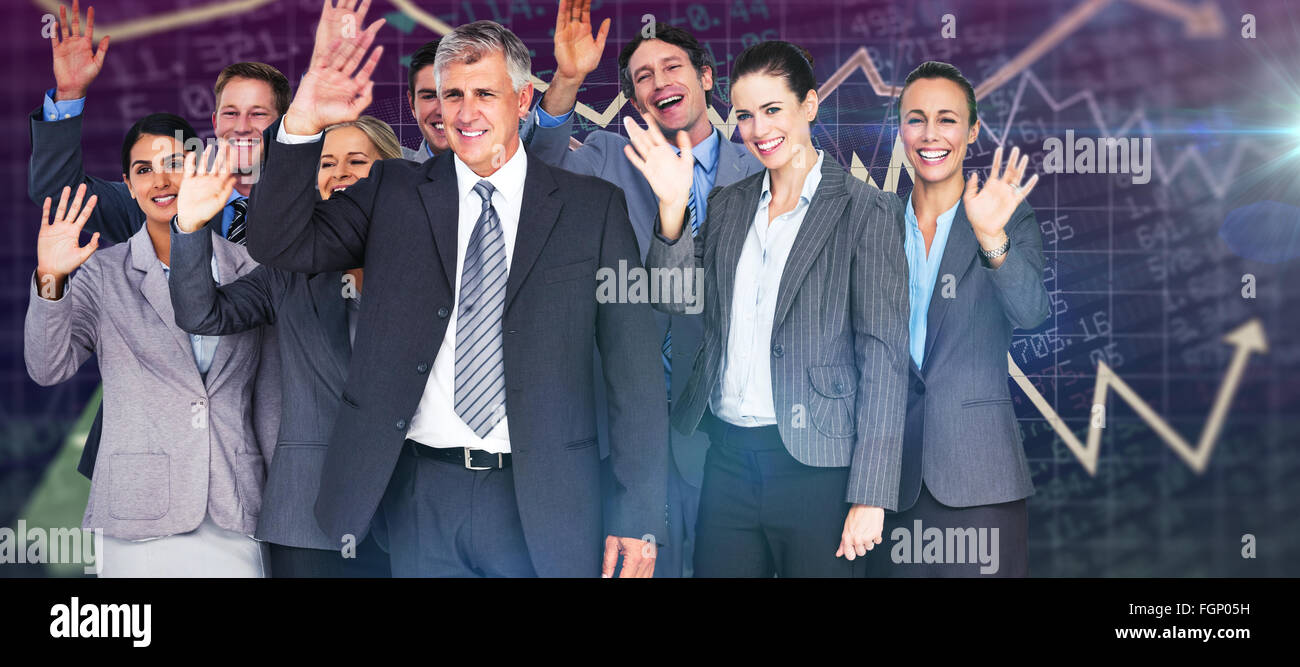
401,424
443,312
838,386
778,350
422,368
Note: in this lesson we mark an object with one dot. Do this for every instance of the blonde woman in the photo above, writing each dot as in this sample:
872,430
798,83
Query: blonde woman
316,316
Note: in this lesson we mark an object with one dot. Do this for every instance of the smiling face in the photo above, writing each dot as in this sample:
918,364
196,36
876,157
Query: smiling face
936,129
246,107
154,176
345,159
774,125
668,90
427,110
481,111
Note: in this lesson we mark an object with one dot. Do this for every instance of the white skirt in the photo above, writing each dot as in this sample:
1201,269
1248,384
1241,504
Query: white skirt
207,551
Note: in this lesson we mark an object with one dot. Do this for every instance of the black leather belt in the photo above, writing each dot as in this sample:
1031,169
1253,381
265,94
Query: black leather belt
472,459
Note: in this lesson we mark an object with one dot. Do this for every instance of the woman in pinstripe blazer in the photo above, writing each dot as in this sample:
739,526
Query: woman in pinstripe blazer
801,379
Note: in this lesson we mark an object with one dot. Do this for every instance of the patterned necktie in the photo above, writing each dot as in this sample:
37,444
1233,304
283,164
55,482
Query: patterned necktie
667,347
480,373
236,233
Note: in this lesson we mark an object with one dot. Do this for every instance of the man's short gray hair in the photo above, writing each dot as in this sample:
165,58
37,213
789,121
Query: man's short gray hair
470,42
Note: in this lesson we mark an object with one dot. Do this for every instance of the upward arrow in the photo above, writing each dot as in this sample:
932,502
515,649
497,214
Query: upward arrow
1247,339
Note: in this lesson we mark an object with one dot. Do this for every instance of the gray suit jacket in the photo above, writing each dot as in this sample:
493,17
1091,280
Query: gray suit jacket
601,155
417,154
967,445
176,446
311,323
839,339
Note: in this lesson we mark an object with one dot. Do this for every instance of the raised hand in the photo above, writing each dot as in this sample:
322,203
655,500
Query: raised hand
990,208
668,171
58,248
76,64
339,19
334,90
204,190
577,53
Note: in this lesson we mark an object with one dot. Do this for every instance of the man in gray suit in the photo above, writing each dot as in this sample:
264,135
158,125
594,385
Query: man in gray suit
669,78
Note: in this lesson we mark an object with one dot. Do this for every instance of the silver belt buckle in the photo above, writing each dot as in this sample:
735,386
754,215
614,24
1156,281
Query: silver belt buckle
468,466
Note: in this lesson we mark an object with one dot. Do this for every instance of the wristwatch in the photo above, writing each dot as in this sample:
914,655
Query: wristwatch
998,252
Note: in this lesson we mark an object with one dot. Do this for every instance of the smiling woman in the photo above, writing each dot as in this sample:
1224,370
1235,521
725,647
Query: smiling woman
176,407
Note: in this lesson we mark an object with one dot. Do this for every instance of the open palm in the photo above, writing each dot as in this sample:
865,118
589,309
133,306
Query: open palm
577,53
76,63
339,19
668,169
205,189
334,90
990,208
58,247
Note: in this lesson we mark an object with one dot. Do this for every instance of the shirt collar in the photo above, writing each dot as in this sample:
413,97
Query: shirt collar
508,181
234,194
706,152
943,221
810,182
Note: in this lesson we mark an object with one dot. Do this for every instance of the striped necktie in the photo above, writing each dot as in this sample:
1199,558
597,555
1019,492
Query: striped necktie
667,348
480,371
236,233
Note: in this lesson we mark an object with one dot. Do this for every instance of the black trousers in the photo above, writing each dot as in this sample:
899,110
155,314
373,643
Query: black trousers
931,539
445,520
295,562
763,513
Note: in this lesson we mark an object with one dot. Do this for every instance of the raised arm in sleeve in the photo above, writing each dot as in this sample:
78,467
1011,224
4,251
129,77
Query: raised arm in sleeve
59,335
1019,280
204,307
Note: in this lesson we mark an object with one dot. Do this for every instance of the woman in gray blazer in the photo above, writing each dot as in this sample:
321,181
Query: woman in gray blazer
178,482
315,318
801,378
973,278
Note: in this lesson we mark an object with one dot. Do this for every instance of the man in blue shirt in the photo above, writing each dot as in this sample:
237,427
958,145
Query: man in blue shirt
669,79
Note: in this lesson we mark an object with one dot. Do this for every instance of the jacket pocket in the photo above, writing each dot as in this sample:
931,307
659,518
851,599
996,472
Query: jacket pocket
832,400
250,479
557,274
580,444
976,402
139,486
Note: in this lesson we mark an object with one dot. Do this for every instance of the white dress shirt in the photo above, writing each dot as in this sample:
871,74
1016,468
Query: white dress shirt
744,395
435,422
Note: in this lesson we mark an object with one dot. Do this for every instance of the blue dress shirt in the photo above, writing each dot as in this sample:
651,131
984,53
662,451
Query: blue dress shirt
923,271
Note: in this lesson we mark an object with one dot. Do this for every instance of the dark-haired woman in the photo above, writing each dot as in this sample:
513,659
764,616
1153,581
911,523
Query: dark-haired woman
803,369
177,484
975,273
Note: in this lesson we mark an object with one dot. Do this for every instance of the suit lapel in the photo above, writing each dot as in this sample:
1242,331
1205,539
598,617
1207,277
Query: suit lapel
958,257
441,199
537,215
153,285
731,166
818,223
331,310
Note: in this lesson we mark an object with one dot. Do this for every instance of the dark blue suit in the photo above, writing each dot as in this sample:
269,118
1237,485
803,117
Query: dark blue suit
401,224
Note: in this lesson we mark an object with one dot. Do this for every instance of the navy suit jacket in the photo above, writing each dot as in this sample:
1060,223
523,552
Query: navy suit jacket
401,224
